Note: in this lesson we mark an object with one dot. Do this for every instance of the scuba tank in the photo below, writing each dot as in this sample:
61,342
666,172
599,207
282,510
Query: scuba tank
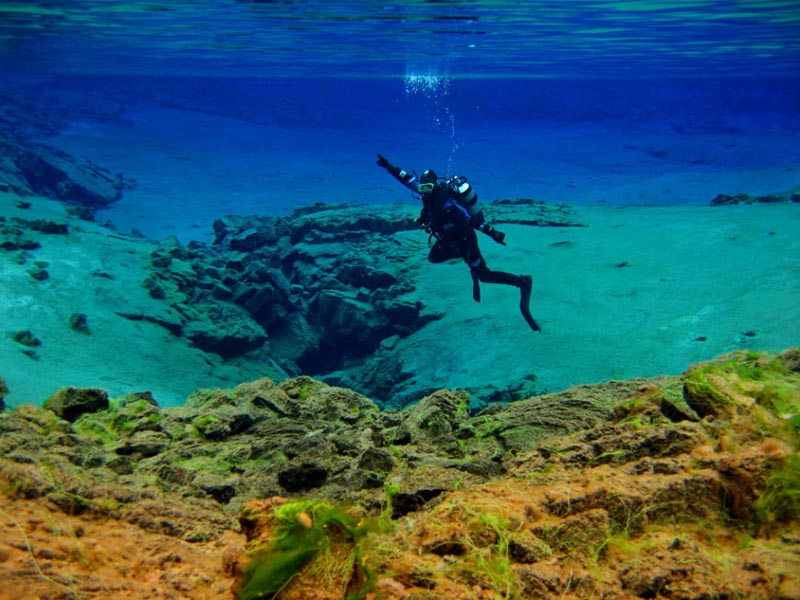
466,196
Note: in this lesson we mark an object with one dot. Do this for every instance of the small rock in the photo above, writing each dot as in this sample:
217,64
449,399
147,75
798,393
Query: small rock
222,490
80,323
122,465
175,474
49,227
673,412
373,459
526,548
26,338
38,273
304,477
155,289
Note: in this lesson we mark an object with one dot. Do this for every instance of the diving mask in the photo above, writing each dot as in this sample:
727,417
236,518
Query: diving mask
425,188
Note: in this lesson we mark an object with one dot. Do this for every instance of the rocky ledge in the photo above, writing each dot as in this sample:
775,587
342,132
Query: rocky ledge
674,487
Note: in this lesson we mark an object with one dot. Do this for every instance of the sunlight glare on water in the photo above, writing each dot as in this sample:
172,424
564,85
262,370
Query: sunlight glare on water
535,38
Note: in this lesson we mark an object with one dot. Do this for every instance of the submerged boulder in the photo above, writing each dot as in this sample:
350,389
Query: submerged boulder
31,168
69,403
225,330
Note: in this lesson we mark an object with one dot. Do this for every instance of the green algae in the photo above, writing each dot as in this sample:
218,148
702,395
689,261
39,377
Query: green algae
725,385
304,532
760,394
779,504
122,418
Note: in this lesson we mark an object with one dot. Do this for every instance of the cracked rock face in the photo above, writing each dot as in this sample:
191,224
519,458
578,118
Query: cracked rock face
319,285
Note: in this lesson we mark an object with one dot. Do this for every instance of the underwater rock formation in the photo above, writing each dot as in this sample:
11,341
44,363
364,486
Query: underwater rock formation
29,167
47,171
731,199
319,301
14,232
70,403
325,286
304,490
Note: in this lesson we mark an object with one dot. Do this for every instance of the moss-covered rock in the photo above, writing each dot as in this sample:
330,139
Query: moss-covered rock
436,421
747,395
70,403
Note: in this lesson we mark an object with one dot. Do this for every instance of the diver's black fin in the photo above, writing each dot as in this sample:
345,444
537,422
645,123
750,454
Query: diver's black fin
476,287
525,288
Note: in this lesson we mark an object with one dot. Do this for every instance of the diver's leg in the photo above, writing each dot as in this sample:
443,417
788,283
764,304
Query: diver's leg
471,253
481,272
525,301
476,286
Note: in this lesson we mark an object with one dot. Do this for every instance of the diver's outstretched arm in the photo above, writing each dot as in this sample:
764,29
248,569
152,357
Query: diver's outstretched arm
407,179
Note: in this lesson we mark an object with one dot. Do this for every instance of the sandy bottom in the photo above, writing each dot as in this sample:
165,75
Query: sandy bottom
97,273
638,292
641,291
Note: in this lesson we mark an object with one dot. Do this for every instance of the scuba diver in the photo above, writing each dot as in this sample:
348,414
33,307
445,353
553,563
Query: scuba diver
451,213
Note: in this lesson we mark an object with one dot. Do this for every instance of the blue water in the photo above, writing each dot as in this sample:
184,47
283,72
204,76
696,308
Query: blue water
258,107
278,104
534,38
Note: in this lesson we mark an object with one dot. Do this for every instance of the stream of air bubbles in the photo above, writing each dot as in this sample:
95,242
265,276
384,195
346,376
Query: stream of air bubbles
433,84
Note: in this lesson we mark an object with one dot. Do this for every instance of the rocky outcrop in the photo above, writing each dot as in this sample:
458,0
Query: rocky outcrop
617,490
527,211
15,232
70,403
731,199
640,506
319,285
46,171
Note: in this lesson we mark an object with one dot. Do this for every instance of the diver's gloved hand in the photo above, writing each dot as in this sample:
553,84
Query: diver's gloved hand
394,170
497,236
382,162
423,222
